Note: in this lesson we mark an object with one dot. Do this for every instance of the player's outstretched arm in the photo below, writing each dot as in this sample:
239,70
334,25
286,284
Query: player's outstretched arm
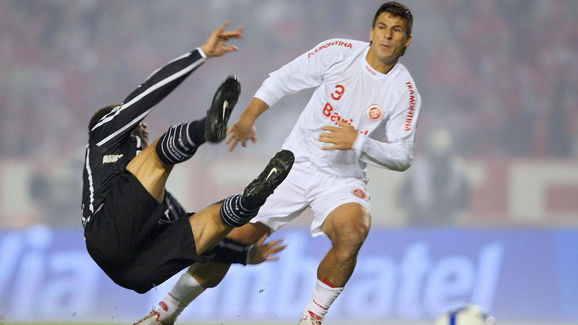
216,44
244,130
139,103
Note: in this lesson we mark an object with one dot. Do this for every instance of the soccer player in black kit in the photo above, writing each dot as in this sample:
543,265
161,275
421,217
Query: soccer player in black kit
135,230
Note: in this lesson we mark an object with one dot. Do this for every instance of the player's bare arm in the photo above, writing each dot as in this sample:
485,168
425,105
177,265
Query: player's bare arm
341,137
244,130
265,252
216,44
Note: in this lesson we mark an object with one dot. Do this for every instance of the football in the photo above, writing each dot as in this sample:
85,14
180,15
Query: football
468,315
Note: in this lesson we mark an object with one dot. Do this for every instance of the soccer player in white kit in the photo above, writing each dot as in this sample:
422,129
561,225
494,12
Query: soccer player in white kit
364,111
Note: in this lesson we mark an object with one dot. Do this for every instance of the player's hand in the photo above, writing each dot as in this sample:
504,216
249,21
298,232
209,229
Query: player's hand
241,132
340,137
261,252
216,45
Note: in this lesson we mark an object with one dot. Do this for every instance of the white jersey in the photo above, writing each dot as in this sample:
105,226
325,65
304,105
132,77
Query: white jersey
383,108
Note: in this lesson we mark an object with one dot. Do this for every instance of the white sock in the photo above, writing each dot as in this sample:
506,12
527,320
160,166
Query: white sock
185,290
323,297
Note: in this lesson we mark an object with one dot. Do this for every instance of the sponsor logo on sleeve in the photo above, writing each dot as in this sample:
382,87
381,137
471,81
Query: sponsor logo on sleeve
411,108
328,44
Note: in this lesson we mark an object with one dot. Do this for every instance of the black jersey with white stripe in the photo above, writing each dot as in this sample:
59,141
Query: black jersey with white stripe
111,143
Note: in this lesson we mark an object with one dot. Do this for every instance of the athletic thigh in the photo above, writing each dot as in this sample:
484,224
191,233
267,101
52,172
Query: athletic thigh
348,225
151,172
331,194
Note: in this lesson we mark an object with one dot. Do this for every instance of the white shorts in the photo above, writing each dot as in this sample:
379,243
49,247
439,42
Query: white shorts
309,186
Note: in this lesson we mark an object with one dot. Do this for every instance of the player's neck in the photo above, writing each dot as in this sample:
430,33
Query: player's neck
379,65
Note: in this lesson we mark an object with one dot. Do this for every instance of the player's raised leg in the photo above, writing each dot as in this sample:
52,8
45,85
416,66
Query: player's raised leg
237,210
213,223
153,166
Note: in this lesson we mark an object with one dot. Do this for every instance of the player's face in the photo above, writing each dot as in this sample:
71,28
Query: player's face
389,38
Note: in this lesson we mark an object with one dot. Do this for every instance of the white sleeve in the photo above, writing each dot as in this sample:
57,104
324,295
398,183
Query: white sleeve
305,71
397,152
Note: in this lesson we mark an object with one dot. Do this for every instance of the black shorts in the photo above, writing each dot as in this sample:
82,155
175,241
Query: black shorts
126,239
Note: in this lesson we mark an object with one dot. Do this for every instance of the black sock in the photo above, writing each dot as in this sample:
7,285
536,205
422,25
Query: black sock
250,205
180,142
196,131
234,214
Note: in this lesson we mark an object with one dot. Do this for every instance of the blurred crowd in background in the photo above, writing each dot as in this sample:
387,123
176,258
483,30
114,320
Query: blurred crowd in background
498,78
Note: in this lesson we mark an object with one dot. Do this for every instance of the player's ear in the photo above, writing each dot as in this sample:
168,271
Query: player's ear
408,41
371,35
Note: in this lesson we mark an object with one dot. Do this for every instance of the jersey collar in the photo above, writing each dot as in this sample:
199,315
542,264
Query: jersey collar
371,71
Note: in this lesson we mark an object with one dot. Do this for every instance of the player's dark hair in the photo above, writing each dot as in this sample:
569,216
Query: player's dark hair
397,9
99,115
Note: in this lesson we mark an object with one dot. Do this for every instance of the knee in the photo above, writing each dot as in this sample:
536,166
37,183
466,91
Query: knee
349,234
350,238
